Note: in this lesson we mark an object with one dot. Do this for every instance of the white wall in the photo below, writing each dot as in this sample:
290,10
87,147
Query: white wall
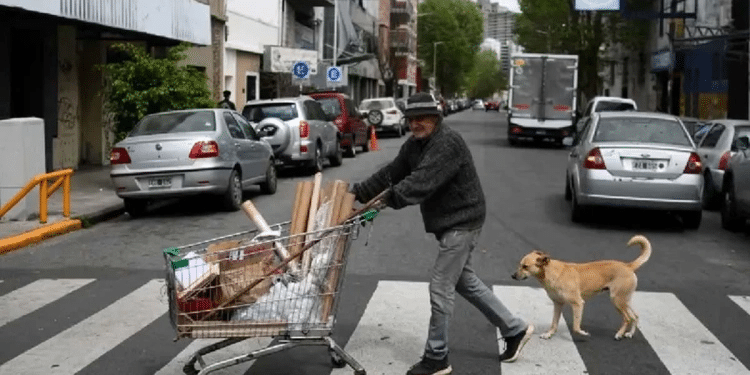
253,24
21,141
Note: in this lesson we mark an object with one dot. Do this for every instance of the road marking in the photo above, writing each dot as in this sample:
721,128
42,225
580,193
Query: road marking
558,355
742,301
392,332
682,343
75,348
34,296
238,349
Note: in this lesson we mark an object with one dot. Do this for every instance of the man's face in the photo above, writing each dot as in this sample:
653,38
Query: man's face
422,126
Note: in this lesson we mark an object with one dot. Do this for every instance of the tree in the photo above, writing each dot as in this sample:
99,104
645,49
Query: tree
141,85
458,27
486,78
554,26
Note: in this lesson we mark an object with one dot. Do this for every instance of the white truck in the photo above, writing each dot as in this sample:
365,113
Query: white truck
542,97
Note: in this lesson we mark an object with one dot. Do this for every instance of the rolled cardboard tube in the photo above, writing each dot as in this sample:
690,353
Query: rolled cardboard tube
260,222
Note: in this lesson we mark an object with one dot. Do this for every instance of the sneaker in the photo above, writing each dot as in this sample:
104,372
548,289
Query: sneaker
429,366
514,344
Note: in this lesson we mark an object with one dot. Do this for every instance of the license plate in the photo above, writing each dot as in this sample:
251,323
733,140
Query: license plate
541,132
645,165
161,182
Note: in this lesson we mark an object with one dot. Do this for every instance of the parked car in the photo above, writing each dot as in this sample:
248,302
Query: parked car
384,115
298,130
478,104
696,128
716,147
188,152
608,104
341,109
634,159
735,209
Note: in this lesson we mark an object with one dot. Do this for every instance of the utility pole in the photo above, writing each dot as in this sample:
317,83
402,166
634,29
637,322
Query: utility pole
335,31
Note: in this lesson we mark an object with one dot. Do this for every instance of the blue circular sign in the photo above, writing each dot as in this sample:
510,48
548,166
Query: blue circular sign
334,74
301,70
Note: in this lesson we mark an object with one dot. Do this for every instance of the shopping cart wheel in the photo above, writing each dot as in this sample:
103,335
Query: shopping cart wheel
336,359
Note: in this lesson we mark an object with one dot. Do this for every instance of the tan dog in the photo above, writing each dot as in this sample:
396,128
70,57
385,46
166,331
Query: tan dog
572,283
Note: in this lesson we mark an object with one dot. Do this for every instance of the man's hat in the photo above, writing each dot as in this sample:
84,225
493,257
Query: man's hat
421,104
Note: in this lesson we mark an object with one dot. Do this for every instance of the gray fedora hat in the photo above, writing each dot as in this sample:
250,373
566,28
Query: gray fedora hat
421,104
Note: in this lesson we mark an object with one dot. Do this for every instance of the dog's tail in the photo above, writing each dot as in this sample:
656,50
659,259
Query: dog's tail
645,251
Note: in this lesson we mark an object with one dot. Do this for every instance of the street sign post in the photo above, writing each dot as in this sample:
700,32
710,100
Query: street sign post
301,71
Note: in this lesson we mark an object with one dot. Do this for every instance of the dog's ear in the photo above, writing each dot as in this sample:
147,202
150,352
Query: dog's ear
542,260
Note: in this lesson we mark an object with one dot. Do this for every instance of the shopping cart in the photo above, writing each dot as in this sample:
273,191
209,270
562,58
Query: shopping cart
238,287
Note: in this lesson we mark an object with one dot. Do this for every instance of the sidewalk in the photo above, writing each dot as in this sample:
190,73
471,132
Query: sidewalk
92,199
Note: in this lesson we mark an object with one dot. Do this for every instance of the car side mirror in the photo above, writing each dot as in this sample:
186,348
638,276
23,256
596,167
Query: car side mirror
743,143
567,141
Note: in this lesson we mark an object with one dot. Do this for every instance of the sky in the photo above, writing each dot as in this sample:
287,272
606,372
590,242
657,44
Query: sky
510,4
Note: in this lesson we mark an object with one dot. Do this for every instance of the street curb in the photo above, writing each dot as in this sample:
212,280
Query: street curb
102,215
38,235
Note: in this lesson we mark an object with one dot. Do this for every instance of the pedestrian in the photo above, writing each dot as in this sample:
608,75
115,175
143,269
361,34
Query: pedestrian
226,103
434,169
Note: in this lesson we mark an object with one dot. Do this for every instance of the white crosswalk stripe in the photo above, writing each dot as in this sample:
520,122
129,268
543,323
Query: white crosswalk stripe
38,294
391,334
75,348
559,354
682,343
742,301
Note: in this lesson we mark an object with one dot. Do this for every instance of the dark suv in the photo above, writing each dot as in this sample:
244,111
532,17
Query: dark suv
341,109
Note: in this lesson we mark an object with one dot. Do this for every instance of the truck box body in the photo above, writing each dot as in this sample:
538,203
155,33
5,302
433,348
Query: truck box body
542,96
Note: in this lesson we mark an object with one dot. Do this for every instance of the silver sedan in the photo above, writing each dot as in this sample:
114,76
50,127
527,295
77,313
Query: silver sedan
189,152
717,145
634,159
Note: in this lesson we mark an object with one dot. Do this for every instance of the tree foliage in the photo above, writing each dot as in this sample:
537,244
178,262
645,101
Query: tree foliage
458,25
554,26
486,78
141,85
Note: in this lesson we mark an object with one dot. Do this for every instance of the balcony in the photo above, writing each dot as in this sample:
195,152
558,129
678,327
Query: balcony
402,12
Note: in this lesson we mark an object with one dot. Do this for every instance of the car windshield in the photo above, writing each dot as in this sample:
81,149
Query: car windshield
175,122
376,104
641,130
282,111
331,106
614,106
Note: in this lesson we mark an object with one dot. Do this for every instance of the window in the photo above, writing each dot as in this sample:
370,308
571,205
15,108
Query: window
712,137
605,106
331,106
314,111
351,108
249,131
234,128
283,111
641,130
175,122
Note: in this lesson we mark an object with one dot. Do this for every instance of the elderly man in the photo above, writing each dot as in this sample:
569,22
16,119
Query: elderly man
434,169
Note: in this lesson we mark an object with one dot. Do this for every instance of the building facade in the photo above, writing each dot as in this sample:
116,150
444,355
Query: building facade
404,46
500,25
49,57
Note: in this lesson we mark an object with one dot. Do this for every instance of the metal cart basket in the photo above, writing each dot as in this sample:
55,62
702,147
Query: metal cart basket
240,286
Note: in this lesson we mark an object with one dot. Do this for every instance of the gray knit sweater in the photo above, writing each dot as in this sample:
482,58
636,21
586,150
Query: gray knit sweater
437,173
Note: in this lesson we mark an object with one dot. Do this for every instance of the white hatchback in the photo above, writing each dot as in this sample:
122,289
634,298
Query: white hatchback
384,115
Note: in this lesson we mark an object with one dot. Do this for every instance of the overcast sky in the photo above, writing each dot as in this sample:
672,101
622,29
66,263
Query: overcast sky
510,4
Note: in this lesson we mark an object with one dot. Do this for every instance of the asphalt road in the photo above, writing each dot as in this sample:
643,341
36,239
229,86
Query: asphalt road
690,287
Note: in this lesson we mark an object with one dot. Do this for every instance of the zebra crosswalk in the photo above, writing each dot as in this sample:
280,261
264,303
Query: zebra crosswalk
386,339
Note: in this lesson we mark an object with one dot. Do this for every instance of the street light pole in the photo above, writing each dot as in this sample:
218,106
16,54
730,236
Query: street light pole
335,30
434,61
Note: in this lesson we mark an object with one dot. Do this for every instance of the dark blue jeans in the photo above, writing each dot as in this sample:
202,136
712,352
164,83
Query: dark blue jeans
453,273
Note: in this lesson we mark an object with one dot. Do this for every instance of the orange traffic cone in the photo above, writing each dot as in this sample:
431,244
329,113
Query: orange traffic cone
373,140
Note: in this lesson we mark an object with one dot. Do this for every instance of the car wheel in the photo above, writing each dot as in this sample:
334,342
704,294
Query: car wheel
269,186
691,219
577,212
399,131
729,218
512,141
135,207
316,165
337,157
233,196
711,200
568,193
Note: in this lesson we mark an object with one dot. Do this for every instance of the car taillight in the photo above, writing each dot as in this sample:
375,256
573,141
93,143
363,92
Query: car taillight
694,165
119,155
516,130
304,129
724,161
339,121
594,160
392,112
204,149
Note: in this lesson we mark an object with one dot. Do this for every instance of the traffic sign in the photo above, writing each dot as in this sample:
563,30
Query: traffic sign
333,74
301,70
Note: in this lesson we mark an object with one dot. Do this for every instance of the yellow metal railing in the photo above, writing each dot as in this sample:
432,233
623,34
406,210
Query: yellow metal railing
45,190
